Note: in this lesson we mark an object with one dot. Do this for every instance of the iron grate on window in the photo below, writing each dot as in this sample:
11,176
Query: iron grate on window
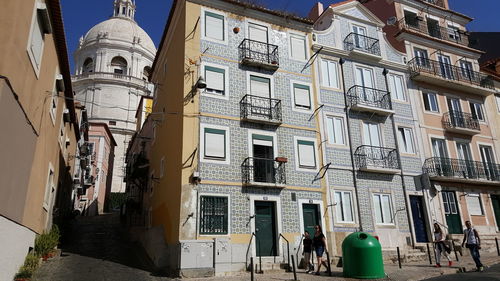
213,215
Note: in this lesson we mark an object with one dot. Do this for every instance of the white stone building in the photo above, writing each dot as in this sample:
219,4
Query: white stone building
112,63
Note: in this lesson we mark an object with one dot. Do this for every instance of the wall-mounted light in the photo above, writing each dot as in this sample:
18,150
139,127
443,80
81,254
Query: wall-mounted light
201,84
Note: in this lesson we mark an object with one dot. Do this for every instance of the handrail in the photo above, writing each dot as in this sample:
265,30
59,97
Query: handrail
381,157
420,25
257,51
369,96
287,250
262,170
298,249
449,72
459,168
458,119
252,107
362,42
248,249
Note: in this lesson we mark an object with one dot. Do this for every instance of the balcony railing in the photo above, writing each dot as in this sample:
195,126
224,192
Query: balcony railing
259,54
450,72
115,76
439,3
367,156
359,95
261,109
261,171
419,25
460,120
362,43
462,169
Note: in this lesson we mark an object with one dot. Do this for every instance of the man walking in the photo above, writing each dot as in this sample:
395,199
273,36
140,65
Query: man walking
473,243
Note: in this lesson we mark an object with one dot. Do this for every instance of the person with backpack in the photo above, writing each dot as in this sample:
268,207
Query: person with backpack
440,246
473,243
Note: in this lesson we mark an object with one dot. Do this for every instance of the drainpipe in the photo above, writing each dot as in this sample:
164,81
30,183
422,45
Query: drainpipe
348,120
401,173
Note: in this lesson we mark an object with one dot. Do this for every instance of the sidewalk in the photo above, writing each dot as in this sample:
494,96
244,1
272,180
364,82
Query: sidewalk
409,271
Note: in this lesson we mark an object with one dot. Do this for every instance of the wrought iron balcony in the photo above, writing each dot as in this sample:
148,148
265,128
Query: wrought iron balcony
461,170
439,3
263,172
450,76
260,109
362,43
419,25
259,54
369,99
377,159
461,122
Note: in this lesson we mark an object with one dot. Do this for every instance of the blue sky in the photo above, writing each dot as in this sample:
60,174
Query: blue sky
80,16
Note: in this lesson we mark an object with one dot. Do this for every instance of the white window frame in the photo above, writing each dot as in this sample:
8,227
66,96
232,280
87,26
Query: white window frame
225,31
270,77
297,160
481,205
226,81
306,46
53,101
412,135
34,24
226,160
344,129
483,113
228,214
292,95
403,87
337,77
391,204
353,213
49,188
262,133
424,92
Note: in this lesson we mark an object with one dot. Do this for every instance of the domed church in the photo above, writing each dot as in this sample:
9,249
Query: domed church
112,65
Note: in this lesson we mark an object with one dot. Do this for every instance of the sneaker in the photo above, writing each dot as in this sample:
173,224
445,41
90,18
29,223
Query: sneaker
450,263
317,273
308,271
438,265
481,269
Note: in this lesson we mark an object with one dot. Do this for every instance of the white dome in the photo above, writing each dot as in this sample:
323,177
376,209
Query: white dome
122,29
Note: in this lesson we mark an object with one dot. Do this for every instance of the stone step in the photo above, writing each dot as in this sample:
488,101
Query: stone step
268,267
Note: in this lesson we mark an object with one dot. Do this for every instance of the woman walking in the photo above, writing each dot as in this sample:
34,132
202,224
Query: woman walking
319,243
307,250
440,246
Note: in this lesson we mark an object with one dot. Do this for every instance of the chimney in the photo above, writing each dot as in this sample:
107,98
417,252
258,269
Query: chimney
316,11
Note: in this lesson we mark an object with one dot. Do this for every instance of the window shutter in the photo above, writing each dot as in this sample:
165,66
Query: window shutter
215,143
302,97
307,157
262,140
257,32
214,78
214,26
298,47
37,42
260,86
474,204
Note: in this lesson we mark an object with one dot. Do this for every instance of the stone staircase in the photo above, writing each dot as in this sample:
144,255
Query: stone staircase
407,255
270,267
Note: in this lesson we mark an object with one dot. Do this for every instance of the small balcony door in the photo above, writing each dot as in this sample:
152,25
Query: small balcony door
445,66
456,116
433,28
422,58
263,163
371,137
364,78
466,69
466,163
488,159
443,165
359,37
260,90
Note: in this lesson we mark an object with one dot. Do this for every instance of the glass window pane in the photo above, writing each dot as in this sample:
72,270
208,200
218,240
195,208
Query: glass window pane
338,206
387,210
347,204
378,208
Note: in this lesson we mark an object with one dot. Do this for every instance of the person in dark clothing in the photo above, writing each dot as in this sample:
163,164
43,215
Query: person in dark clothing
307,249
319,244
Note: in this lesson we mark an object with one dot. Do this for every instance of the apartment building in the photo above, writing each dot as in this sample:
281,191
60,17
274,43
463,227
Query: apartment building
368,126
39,125
459,171
234,155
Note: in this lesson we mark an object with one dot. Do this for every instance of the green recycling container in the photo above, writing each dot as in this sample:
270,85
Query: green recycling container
362,257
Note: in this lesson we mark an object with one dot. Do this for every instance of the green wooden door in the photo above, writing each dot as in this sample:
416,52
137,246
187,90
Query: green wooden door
310,216
451,212
265,228
495,199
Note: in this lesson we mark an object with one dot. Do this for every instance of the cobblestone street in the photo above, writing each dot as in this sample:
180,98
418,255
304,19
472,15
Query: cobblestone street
98,250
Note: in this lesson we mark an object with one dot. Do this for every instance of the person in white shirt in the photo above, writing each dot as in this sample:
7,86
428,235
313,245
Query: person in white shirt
440,246
473,243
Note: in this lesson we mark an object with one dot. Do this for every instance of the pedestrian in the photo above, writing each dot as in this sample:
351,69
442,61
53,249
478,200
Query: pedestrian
440,246
306,252
473,243
319,243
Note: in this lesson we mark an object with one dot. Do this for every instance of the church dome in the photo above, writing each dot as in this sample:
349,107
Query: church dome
121,29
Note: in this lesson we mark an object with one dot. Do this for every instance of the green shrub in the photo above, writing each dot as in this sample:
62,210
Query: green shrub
23,273
54,235
46,242
31,263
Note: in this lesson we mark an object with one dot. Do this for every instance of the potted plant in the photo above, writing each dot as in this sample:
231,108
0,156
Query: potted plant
281,159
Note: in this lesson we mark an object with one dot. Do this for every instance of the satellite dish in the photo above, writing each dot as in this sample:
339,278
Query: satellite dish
391,20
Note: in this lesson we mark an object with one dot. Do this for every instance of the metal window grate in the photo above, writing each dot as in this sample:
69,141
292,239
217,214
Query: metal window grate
213,215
